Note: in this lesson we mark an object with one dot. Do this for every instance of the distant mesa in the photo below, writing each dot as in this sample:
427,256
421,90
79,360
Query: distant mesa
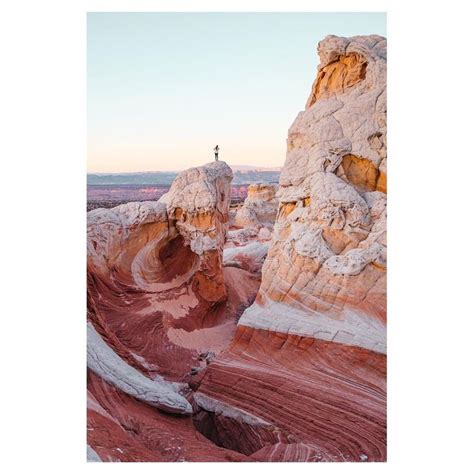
243,174
105,190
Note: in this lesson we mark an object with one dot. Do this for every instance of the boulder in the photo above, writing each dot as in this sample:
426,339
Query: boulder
259,208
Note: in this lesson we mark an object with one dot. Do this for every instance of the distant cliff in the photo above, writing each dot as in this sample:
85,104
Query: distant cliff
165,178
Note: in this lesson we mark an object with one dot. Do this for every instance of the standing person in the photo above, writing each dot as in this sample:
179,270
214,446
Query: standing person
216,152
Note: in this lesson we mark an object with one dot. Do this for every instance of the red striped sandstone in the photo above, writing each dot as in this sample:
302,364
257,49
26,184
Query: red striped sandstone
123,429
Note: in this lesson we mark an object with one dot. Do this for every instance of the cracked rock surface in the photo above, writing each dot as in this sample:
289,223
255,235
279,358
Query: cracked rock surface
327,258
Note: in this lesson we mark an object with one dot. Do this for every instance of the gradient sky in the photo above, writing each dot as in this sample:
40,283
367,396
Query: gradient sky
165,88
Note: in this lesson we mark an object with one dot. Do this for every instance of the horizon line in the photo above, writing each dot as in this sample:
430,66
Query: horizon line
245,167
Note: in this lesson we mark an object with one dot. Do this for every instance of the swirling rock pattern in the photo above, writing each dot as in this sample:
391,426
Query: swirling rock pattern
308,359
329,397
157,266
302,375
121,428
158,299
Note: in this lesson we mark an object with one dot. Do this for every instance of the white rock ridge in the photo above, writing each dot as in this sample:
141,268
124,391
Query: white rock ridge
92,456
220,408
104,362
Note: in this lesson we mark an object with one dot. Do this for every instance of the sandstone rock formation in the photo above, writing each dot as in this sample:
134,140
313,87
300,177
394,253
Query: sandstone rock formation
307,364
121,428
260,207
158,265
158,296
328,254
249,257
247,242
251,229
302,376
295,390
104,362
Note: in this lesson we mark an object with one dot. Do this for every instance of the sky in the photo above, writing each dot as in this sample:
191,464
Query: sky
164,88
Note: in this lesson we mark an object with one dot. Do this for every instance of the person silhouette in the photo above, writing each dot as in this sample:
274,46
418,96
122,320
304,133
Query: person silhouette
216,152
